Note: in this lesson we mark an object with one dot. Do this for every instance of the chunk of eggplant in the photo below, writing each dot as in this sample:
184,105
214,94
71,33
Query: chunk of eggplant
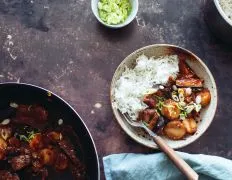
20,162
61,162
190,82
146,115
185,70
7,175
149,101
14,142
161,122
153,121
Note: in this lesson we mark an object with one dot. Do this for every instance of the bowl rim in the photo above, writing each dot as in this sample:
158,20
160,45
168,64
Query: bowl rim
129,132
222,13
134,9
57,96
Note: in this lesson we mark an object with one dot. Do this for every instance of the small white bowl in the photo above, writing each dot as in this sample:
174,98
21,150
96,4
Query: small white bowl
134,10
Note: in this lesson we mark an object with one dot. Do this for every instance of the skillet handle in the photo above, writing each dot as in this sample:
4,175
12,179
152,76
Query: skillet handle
176,159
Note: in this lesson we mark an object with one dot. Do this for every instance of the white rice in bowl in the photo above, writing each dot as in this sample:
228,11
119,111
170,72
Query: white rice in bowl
227,7
133,84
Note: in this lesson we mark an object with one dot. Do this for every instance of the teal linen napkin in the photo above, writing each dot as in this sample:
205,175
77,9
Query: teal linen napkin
159,167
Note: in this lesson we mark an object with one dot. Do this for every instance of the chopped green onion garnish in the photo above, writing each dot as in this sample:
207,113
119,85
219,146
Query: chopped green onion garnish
114,11
159,105
29,137
23,138
159,98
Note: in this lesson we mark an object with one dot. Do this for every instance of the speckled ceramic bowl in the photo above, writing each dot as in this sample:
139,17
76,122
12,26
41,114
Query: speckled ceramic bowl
207,114
218,21
135,5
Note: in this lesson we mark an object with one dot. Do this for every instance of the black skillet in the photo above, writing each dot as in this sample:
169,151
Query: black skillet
58,109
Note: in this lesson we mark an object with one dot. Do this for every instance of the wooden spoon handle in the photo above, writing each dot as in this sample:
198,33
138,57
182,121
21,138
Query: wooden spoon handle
176,159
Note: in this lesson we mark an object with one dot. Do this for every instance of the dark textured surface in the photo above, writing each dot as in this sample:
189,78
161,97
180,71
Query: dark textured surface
59,45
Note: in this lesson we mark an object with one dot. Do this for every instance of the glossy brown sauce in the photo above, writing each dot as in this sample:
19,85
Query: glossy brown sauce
33,148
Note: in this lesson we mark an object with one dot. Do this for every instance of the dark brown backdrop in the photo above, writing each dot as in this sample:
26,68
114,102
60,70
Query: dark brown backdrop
59,45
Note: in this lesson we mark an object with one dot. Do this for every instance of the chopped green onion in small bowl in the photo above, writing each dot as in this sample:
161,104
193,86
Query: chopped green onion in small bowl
115,13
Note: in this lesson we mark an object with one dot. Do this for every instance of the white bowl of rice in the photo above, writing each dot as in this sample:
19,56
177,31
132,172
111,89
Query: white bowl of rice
138,73
226,6
218,15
